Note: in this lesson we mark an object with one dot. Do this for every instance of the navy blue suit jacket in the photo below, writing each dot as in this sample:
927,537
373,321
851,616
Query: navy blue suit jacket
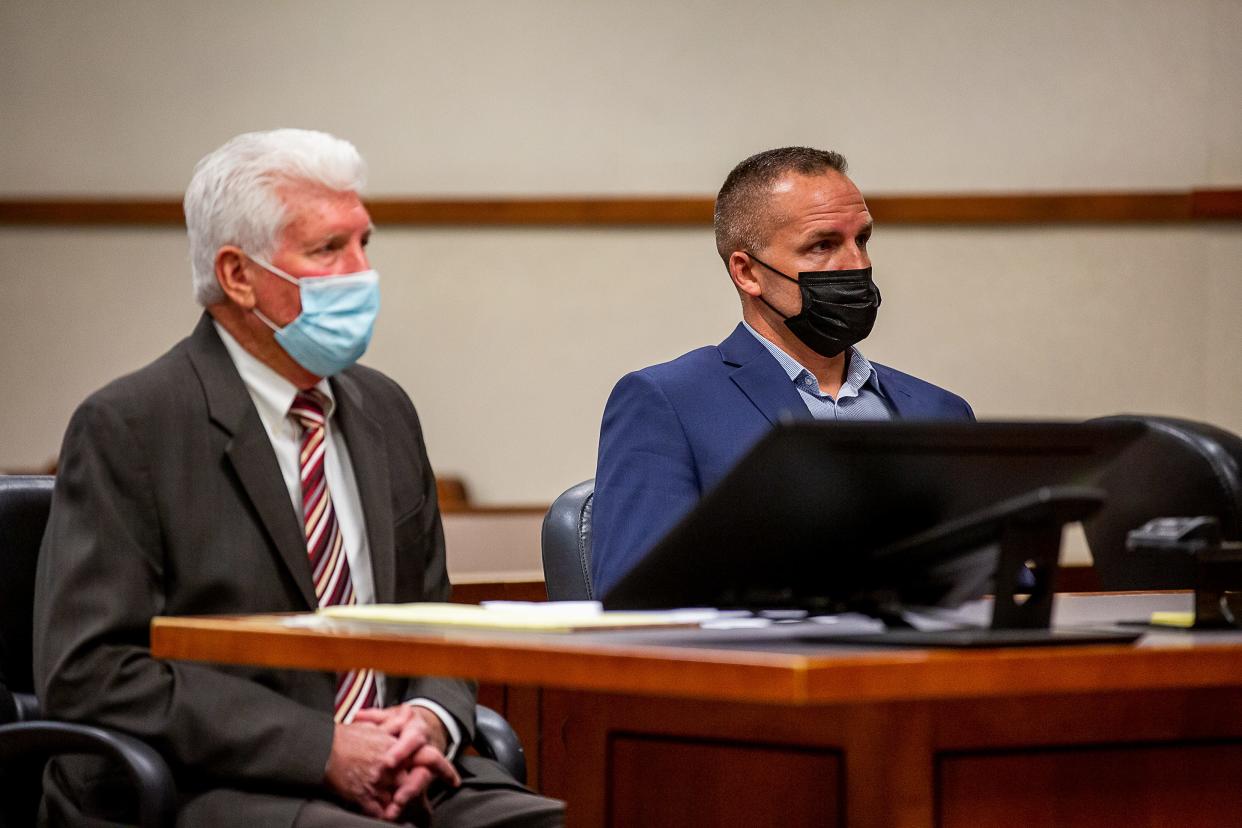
672,431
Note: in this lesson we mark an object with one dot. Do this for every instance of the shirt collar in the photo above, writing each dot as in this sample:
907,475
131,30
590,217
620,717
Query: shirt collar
859,372
272,393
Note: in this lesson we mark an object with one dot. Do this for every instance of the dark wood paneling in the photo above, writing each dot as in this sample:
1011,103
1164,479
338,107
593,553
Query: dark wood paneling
1182,785
675,211
598,750
493,696
891,752
499,591
1078,578
674,782
522,711
520,706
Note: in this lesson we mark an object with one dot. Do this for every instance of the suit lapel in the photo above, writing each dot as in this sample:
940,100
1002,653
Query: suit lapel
905,405
250,452
368,453
761,378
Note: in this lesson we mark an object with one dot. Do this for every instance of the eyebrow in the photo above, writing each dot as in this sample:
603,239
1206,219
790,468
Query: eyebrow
819,235
341,235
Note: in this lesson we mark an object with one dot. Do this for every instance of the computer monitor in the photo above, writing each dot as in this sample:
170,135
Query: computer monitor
820,515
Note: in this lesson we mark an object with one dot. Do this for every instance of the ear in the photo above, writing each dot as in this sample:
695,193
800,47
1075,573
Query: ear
234,277
742,272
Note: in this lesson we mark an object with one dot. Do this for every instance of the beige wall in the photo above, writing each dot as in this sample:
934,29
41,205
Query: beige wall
509,340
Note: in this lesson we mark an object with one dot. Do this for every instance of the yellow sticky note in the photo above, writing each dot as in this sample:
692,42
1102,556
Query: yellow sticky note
1182,620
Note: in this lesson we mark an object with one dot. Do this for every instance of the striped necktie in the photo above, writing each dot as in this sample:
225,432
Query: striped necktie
325,545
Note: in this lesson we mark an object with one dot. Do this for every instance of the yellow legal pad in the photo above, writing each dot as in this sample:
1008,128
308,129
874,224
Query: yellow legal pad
556,616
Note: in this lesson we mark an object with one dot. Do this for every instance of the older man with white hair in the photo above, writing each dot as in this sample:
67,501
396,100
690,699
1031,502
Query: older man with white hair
256,468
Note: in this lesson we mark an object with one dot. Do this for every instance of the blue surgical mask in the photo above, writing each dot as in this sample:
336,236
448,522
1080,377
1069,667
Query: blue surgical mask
334,328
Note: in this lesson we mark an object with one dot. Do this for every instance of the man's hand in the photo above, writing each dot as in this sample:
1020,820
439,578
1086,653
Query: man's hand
417,755
358,768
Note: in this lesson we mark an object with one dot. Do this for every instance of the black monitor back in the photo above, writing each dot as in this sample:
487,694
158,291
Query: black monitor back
798,521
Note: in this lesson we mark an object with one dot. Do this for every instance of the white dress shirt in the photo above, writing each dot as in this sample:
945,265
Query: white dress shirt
273,395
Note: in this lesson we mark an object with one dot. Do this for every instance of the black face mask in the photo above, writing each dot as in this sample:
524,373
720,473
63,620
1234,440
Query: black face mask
838,307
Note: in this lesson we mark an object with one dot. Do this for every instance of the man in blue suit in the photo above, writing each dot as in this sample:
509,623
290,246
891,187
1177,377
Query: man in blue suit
792,230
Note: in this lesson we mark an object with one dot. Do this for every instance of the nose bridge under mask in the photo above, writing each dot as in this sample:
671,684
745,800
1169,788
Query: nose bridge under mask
838,307
821,278
337,317
853,291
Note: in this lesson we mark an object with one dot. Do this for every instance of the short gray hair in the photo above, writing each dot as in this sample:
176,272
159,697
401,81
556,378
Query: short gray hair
743,216
232,197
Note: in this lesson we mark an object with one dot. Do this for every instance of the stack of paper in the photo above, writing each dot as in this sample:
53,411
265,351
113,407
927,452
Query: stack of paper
550,616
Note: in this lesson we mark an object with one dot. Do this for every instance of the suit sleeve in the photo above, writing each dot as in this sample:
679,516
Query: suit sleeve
456,696
101,578
645,480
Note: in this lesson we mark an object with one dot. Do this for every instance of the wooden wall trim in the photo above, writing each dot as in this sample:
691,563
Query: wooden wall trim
524,509
1216,204
600,211
71,212
594,211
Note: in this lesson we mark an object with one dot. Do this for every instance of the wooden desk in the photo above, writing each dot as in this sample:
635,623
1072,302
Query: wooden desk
740,728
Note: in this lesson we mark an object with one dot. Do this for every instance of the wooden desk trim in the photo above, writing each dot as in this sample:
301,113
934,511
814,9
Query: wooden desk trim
583,663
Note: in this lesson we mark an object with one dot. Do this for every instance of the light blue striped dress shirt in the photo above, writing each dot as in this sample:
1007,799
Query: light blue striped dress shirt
858,399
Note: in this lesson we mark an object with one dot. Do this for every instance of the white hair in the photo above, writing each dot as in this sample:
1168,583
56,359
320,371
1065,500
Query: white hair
232,197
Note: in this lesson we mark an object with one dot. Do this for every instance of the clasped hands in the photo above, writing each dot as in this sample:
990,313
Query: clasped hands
386,758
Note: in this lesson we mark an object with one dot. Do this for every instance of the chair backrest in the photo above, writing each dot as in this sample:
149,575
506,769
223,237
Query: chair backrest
24,504
1179,468
566,542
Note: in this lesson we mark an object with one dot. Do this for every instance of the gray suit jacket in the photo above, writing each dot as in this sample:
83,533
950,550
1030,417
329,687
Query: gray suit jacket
169,501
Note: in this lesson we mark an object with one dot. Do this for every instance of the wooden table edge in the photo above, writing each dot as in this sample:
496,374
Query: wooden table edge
566,662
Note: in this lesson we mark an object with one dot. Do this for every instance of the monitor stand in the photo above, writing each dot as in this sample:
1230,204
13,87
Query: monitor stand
1023,536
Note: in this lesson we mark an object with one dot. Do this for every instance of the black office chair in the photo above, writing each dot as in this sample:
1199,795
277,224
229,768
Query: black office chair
566,543
27,740
495,739
1179,468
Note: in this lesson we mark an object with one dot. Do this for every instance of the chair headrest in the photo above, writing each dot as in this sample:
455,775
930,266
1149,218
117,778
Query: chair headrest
1179,468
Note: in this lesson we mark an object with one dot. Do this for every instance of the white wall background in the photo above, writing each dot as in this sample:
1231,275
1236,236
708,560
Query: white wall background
509,340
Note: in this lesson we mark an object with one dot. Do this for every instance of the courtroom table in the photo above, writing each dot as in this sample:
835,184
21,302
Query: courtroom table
772,727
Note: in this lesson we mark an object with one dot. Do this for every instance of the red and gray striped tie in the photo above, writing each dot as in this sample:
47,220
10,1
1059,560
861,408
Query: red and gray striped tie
329,564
